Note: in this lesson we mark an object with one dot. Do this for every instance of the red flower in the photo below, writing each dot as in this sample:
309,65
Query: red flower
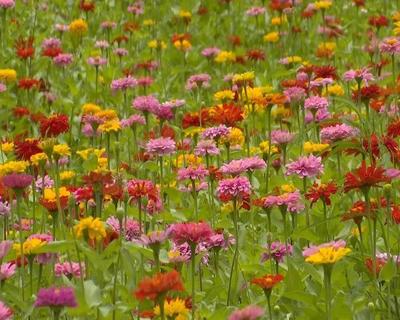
20,112
51,205
86,6
234,40
380,263
396,214
268,281
227,114
51,52
321,192
393,129
255,55
27,148
158,285
367,93
359,210
325,72
280,5
364,178
54,125
24,48
114,190
378,21
138,189
28,83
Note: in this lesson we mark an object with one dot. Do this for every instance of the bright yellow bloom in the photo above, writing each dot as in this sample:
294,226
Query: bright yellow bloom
107,114
396,16
183,45
328,255
7,147
62,150
277,21
184,160
185,14
90,108
13,167
280,112
174,309
67,175
8,75
39,158
149,22
49,194
235,137
243,77
264,146
227,208
110,126
225,56
30,247
331,46
224,95
91,227
156,44
288,188
78,27
294,59
334,90
271,37
323,4
84,154
310,147
193,131
396,30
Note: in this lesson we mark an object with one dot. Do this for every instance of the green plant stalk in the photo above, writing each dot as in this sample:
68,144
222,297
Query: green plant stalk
328,290
21,242
194,194
193,261
235,256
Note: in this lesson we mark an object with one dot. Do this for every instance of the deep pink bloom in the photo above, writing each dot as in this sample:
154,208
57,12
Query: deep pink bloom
130,228
314,249
337,132
132,120
236,167
56,297
5,247
17,180
234,188
215,132
146,103
206,147
69,269
281,137
277,251
6,4
190,232
315,103
5,312
124,83
358,75
192,173
248,313
309,166
161,146
7,270
198,81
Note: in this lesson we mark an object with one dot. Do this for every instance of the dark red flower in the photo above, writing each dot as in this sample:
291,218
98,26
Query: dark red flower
234,40
27,148
20,112
365,177
380,263
51,52
87,6
227,114
393,129
378,21
255,55
28,83
280,5
358,211
367,93
114,190
321,192
24,48
396,214
54,125
325,72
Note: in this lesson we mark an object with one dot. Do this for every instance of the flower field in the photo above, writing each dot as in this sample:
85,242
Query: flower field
200,159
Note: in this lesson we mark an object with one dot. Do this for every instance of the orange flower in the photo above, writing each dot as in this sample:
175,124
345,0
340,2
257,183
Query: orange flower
159,284
268,281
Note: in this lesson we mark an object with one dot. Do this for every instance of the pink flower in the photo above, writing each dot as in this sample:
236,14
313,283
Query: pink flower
145,103
210,52
7,270
190,232
198,81
130,227
5,312
337,132
102,44
132,120
96,61
294,94
154,238
161,146
310,166
215,132
206,147
234,188
390,45
290,200
124,83
236,167
63,59
255,11
69,269
248,313
315,103
192,173
358,75
6,4
281,137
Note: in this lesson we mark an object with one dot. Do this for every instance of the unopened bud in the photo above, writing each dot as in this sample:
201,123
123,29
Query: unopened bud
371,306
277,309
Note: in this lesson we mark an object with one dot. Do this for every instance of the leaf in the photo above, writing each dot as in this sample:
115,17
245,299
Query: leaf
56,247
388,271
92,294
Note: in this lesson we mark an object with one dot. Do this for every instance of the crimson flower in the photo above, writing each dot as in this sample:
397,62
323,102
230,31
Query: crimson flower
364,178
54,125
321,192
24,48
27,148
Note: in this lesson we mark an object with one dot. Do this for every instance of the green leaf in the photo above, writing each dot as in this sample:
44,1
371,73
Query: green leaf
388,271
92,294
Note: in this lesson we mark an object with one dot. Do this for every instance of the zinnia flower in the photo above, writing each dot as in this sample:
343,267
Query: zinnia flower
364,178
56,298
248,313
309,166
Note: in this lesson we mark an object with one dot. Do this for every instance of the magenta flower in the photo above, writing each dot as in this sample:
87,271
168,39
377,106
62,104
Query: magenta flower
277,251
210,52
56,298
215,132
314,249
337,132
17,181
358,75
63,59
206,147
390,45
198,81
281,137
7,270
236,167
123,83
7,4
69,269
234,188
132,120
130,228
5,247
316,103
146,103
190,232
5,312
294,94
192,173
161,146
248,313
291,201
308,166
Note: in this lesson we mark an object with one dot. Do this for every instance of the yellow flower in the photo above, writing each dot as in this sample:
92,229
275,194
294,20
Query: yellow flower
193,131
323,4
334,90
49,194
156,44
13,167
288,188
90,108
175,309
62,150
243,77
107,114
254,95
271,37
264,146
280,112
185,14
294,59
8,75
225,56
189,159
224,95
7,147
235,137
396,16
84,154
331,46
110,126
78,27
310,147
277,21
39,158
328,255
91,227
396,30
227,208
30,247
67,175
183,45
149,22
